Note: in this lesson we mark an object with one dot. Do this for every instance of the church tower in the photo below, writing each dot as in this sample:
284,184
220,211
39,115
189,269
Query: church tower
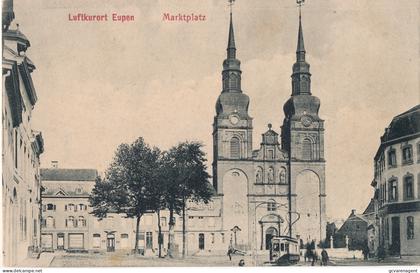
303,139
232,150
232,127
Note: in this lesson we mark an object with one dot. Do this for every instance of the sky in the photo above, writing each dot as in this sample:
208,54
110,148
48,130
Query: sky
101,84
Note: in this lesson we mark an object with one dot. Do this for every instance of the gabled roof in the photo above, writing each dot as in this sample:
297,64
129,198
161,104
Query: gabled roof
55,174
370,208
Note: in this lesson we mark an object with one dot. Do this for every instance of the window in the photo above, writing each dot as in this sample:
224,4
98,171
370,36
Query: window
82,207
212,238
163,221
50,207
70,222
418,152
96,240
82,221
393,190
392,158
71,207
233,82
270,154
407,154
408,187
410,228
50,223
79,190
149,240
235,148
271,205
223,237
306,149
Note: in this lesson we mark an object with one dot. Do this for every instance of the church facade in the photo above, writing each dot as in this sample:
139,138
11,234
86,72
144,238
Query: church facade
278,189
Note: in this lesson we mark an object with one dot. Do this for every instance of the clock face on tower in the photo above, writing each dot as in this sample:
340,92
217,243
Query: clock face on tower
234,119
306,121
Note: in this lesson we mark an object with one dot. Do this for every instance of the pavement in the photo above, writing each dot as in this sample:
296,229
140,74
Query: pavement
124,260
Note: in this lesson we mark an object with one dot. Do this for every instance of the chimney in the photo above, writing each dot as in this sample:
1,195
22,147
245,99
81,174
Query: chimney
353,212
54,164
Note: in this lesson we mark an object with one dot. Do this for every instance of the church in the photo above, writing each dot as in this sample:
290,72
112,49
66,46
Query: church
279,188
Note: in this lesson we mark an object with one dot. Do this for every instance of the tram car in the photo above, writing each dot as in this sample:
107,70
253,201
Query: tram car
284,250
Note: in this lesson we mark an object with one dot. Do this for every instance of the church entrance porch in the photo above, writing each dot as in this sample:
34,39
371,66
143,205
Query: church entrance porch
270,226
269,234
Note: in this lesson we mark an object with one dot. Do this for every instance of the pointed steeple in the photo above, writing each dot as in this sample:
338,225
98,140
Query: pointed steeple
231,66
300,50
232,99
231,49
301,78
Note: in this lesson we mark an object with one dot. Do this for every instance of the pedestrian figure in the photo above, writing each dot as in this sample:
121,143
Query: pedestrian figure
365,251
229,253
241,262
324,257
314,257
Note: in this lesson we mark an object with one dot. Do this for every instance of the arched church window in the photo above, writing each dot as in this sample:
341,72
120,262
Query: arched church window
306,149
235,148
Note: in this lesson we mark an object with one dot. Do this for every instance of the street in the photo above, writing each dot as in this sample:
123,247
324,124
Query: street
116,260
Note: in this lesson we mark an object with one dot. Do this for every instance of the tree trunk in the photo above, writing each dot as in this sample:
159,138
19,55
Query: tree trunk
184,233
159,235
136,246
171,233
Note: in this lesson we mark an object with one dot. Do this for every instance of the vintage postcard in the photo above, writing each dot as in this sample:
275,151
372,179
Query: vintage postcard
210,133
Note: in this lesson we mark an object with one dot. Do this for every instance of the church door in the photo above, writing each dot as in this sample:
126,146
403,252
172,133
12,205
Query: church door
269,234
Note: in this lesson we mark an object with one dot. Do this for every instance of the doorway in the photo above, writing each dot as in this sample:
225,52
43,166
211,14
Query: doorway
269,234
201,241
60,241
110,243
395,239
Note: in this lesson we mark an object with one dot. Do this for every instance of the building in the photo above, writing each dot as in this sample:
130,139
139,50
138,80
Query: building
68,225
354,233
397,185
21,147
278,189
65,214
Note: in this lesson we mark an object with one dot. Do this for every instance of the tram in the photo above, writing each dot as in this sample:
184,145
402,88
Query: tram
284,250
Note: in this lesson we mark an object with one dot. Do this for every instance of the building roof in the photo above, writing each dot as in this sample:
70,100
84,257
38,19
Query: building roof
55,174
404,124
370,208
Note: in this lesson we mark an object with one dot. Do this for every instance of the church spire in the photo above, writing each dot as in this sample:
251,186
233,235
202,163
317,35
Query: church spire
300,50
231,49
301,78
231,66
